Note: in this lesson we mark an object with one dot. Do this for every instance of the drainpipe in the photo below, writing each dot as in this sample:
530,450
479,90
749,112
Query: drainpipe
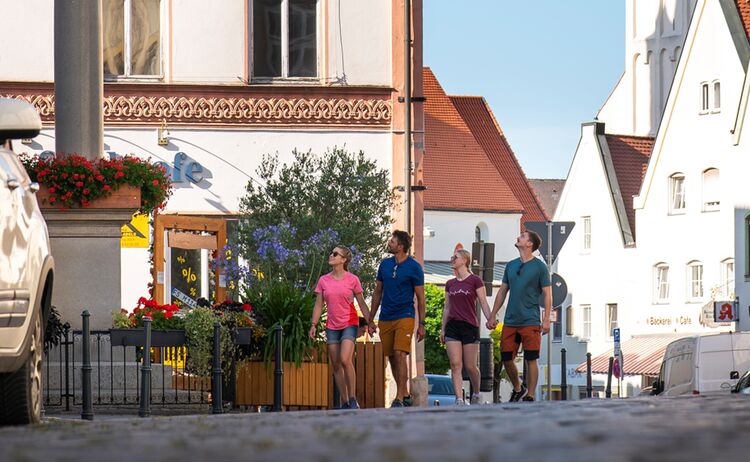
407,122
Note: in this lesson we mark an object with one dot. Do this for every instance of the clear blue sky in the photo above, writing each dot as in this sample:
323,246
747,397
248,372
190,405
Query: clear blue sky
544,66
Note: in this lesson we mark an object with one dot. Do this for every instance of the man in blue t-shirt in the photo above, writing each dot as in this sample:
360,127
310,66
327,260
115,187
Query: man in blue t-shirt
400,279
527,278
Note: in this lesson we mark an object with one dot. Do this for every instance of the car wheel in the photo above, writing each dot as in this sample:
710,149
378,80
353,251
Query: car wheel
21,391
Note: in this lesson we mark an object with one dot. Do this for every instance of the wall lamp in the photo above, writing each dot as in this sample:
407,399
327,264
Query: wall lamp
162,133
416,187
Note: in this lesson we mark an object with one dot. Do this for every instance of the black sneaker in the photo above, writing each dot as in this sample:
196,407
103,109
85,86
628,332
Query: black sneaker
353,404
407,401
528,399
516,396
344,406
397,403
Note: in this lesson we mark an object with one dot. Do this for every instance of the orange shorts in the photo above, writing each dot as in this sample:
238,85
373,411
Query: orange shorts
396,335
528,336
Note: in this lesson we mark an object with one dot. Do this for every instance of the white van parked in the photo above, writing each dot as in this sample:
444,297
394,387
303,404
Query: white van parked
703,364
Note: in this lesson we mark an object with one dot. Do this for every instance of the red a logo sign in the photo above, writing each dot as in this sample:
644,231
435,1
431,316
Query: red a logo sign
726,313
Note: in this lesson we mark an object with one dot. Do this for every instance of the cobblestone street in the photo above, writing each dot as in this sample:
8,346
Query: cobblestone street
692,428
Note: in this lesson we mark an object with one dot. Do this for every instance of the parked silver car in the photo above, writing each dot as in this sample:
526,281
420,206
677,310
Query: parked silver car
440,390
26,273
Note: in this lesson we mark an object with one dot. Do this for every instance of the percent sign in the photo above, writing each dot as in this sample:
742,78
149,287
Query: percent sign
188,274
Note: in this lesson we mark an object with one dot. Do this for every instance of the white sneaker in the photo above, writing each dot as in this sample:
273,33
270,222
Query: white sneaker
461,402
476,398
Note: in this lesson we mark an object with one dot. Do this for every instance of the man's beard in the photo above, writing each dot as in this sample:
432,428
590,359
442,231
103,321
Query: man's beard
391,251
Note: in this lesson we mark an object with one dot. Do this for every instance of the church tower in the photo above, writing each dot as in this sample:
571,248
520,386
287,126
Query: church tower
654,34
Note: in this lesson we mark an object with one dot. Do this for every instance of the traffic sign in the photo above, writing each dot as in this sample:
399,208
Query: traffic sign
616,335
616,367
560,232
559,291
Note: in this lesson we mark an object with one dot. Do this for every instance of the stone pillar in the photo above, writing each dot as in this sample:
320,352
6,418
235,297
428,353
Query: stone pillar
86,247
79,78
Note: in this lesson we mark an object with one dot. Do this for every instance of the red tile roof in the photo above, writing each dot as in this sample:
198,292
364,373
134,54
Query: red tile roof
483,125
457,172
743,6
630,156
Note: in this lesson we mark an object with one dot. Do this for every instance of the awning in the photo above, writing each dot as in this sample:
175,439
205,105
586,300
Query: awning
642,355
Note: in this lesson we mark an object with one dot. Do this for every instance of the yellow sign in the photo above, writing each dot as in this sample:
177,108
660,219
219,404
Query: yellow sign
135,233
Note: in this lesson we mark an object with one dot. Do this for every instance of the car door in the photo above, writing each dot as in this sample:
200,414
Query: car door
9,272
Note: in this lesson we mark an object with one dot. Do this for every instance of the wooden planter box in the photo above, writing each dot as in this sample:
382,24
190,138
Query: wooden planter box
312,384
137,337
125,197
307,386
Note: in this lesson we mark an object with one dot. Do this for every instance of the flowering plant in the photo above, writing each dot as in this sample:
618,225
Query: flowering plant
163,317
75,181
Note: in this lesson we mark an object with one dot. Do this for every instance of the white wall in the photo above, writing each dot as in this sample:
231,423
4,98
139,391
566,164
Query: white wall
603,274
26,41
359,42
208,44
452,228
690,142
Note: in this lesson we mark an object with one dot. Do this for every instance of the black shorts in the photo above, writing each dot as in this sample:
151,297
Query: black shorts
461,331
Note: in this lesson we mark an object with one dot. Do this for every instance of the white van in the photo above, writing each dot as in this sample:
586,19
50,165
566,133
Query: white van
703,363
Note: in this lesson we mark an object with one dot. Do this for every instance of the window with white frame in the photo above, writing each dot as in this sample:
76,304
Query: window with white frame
704,97
717,96
285,39
711,183
586,322
661,283
586,245
611,318
677,193
132,38
695,280
727,277
569,321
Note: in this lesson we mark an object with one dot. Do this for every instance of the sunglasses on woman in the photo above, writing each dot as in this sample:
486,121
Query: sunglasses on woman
336,254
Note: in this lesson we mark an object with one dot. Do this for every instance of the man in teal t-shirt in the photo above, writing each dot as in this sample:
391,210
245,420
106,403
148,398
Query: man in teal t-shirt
527,278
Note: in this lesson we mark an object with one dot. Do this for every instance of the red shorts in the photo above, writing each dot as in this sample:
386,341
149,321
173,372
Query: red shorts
528,336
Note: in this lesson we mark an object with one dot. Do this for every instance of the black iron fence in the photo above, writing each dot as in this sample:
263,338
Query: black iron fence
115,373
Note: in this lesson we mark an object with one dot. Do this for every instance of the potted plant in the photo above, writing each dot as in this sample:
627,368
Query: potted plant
167,327
76,182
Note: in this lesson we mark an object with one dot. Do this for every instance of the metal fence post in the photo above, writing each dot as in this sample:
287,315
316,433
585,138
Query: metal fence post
216,382
87,411
608,391
145,405
278,373
563,375
589,388
67,367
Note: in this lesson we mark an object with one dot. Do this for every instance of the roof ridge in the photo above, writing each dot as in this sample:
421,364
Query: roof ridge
515,160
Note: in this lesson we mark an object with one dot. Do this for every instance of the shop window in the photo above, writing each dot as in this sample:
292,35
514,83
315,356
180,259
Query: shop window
569,321
611,318
711,190
132,38
677,193
661,283
695,281
477,234
285,38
